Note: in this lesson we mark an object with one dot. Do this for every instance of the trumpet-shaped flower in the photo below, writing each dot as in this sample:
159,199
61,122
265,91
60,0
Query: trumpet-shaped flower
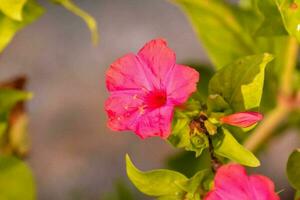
232,183
144,89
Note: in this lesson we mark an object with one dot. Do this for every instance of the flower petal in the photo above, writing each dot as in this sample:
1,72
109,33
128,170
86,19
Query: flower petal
181,83
232,182
156,122
122,109
263,188
127,73
158,57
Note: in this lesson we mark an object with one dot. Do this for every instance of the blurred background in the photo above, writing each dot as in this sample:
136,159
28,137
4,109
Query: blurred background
73,154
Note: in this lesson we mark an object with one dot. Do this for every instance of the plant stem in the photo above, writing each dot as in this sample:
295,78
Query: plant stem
283,108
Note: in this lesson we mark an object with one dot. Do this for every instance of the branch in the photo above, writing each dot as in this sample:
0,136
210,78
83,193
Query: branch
283,108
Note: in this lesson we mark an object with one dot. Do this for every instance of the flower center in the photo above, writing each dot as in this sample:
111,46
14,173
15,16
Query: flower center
156,99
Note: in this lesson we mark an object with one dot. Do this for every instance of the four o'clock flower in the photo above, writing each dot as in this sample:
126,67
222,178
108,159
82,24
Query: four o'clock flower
144,89
242,119
232,183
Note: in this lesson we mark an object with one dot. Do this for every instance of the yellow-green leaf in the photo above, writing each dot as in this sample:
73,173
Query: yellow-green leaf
16,180
9,27
226,145
12,8
156,183
241,82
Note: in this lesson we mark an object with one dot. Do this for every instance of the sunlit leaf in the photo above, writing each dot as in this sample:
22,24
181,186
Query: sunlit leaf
226,145
220,31
9,27
241,82
158,183
13,8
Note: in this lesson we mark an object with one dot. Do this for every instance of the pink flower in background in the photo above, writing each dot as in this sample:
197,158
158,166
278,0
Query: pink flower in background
232,183
242,119
144,89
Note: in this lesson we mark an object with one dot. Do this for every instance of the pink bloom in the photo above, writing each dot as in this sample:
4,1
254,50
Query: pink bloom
145,88
242,119
232,183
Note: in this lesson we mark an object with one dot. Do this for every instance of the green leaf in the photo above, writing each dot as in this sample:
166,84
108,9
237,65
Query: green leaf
89,20
180,136
241,82
9,27
272,24
217,104
193,184
16,180
290,12
157,183
222,33
292,169
12,8
226,145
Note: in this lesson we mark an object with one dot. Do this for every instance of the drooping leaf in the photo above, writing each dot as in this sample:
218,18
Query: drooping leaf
222,33
9,27
226,145
241,82
89,20
16,180
158,183
12,8
292,169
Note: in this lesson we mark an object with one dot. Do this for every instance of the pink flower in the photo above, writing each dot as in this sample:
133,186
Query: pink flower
232,183
145,88
242,119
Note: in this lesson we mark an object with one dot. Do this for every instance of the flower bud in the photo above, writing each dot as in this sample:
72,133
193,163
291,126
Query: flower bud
242,119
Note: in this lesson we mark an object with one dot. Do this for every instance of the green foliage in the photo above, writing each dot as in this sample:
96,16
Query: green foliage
9,26
8,98
241,83
180,136
168,185
226,145
157,182
16,181
13,8
89,20
221,33
290,13
272,23
292,169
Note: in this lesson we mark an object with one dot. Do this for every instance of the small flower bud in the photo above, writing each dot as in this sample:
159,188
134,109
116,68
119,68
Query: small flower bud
242,119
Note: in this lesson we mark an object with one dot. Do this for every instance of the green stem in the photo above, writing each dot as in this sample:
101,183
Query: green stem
283,108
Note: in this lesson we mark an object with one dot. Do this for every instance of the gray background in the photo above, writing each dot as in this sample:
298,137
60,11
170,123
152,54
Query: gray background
73,152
